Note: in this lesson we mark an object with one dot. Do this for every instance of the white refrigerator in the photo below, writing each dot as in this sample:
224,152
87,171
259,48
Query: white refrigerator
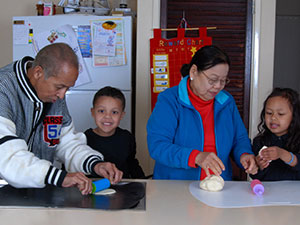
116,73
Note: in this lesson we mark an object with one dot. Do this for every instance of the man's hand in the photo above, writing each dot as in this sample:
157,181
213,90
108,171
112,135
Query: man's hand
80,181
109,171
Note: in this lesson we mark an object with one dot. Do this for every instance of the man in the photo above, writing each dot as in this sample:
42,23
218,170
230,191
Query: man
36,128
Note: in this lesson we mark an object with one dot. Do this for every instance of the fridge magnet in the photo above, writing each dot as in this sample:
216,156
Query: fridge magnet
109,25
30,36
52,37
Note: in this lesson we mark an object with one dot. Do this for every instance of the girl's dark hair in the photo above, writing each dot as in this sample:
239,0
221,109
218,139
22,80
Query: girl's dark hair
206,58
110,92
293,141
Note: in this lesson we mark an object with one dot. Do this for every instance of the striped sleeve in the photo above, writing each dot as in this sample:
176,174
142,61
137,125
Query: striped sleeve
55,176
90,163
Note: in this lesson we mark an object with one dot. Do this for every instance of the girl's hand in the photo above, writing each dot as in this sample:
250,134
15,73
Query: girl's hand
271,153
274,152
249,163
209,160
261,162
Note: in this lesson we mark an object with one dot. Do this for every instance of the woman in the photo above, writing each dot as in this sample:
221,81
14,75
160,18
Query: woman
196,126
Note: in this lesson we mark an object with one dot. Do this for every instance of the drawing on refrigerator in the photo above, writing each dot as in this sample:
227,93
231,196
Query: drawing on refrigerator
110,65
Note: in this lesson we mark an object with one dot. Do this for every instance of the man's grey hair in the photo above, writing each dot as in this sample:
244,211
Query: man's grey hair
53,56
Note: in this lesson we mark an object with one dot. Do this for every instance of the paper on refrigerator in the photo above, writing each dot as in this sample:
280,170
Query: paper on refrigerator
108,42
66,35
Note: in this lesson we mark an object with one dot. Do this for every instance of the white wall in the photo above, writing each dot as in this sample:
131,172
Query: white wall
148,17
262,58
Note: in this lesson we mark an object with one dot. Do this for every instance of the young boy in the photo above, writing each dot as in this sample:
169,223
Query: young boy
117,145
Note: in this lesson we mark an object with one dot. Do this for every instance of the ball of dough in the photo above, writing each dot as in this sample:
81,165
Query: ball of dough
212,183
259,153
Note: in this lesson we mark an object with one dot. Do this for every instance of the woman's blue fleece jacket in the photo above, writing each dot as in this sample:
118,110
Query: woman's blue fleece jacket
175,129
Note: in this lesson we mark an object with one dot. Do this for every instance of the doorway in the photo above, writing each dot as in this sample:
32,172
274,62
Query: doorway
287,44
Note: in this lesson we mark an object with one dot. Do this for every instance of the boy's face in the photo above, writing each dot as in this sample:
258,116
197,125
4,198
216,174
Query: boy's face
107,113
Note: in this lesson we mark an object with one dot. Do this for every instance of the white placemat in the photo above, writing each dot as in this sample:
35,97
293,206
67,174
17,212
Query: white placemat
238,194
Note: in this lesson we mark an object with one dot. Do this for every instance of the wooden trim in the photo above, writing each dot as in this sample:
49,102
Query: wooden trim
163,16
194,28
248,58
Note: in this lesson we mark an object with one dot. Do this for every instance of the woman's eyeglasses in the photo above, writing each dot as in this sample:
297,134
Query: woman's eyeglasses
215,81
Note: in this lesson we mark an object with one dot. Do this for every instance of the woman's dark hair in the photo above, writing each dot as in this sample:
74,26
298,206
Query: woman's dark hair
110,92
293,141
206,58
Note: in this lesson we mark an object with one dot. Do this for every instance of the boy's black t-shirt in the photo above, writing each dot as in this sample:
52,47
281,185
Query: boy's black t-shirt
120,149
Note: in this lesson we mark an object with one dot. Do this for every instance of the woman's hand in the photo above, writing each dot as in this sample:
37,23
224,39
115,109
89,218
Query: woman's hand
209,160
249,163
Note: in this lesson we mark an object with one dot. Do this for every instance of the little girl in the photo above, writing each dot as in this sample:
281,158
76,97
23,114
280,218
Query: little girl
279,132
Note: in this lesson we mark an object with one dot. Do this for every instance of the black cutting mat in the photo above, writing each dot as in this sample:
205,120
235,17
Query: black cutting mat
128,195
